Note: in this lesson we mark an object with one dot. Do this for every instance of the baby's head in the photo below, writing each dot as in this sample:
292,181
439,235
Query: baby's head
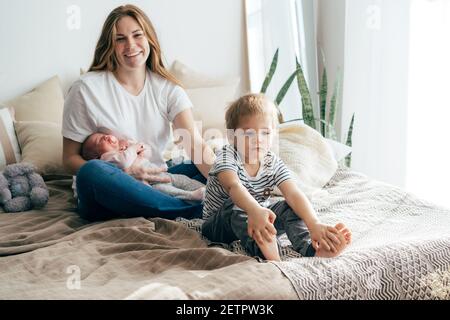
97,144
251,122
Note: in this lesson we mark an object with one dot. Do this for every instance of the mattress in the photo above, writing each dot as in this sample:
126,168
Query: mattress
400,250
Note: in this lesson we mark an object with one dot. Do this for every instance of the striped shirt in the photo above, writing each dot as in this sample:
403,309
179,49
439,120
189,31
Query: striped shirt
272,173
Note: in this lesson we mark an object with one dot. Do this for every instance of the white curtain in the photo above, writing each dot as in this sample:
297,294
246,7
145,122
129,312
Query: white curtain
376,86
288,25
428,170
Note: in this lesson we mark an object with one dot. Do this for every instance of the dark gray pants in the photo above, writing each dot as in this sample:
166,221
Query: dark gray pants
228,225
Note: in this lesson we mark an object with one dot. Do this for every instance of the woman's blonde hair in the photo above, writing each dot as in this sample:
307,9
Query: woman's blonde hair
248,105
105,57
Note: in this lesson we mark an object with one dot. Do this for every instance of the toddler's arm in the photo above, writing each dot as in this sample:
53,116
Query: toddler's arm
320,233
260,219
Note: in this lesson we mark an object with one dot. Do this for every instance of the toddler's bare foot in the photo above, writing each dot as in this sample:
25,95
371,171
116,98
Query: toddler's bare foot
345,231
199,194
344,235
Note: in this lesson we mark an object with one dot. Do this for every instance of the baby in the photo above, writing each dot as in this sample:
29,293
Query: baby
127,153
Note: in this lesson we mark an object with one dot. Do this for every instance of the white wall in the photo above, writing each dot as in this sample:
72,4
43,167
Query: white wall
36,43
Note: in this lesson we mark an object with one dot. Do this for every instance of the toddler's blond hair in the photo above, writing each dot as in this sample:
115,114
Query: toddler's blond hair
248,105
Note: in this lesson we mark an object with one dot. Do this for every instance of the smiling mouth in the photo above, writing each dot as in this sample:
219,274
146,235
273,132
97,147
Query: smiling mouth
131,55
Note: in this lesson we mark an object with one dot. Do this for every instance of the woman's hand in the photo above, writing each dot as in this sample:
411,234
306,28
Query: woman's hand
148,175
260,225
325,237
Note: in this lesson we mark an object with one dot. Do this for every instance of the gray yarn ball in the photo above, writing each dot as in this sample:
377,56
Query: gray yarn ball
18,169
36,181
18,204
4,184
5,195
19,186
22,189
39,197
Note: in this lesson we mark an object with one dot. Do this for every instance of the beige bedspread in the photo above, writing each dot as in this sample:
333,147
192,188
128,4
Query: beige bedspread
53,254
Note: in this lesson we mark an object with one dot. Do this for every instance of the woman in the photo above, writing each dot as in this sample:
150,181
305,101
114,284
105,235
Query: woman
129,92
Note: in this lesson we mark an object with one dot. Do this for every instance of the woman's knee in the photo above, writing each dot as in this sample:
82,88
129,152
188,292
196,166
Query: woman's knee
93,168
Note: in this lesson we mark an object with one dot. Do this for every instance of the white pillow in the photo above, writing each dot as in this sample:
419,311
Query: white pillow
307,155
9,146
340,150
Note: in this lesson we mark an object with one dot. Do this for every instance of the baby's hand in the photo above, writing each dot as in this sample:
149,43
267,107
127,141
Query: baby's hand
149,175
140,150
260,225
123,145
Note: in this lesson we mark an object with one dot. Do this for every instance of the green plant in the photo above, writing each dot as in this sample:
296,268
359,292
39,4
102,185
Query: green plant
326,127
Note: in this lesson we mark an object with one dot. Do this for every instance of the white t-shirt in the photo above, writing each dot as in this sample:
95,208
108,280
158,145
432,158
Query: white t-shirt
98,102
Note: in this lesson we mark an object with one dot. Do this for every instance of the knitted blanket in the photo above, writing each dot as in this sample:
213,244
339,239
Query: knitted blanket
400,249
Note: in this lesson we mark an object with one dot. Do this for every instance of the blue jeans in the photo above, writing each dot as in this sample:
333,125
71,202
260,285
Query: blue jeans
106,192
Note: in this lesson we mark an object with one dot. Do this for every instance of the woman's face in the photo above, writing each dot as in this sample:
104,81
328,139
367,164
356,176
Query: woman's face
131,45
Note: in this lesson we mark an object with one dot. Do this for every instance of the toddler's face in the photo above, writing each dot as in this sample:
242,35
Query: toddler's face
254,137
102,143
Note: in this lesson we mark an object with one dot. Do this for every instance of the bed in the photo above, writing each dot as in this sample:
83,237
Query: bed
401,250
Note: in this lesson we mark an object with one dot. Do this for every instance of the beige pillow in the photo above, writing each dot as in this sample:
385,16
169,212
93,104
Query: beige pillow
192,79
41,144
210,104
9,146
210,96
307,154
44,103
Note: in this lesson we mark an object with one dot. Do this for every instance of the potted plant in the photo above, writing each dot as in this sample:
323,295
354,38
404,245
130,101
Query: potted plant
325,125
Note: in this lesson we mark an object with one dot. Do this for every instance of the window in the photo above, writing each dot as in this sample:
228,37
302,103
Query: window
428,147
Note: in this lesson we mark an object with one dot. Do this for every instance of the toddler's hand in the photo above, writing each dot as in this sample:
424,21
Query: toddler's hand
260,225
325,237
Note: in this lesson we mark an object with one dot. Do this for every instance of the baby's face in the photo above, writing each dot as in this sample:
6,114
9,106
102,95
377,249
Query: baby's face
103,143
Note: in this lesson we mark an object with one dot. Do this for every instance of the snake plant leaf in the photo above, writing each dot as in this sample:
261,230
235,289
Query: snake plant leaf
334,99
307,108
323,100
322,53
269,76
284,89
350,132
331,130
349,142
323,94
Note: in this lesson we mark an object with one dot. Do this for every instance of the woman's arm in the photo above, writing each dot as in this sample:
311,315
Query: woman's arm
72,160
198,151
